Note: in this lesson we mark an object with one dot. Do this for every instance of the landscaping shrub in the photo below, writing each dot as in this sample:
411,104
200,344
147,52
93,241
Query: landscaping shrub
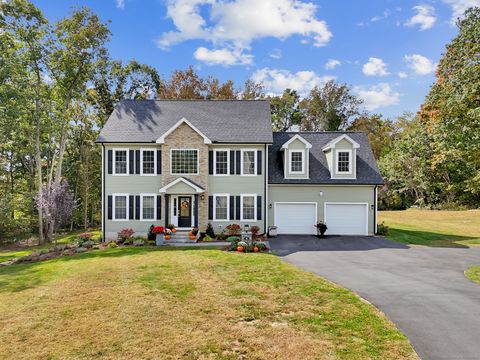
221,236
382,229
255,230
233,229
233,239
151,235
112,245
209,231
139,242
207,238
125,234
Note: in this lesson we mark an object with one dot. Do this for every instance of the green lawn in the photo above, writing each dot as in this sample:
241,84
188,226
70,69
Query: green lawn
433,228
473,273
8,254
138,303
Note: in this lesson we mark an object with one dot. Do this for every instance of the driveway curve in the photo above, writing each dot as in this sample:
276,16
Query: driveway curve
423,290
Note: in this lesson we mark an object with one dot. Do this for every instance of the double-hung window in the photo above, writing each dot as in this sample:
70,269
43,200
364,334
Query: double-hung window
148,207
221,211
120,207
248,207
343,162
221,162
184,162
148,162
296,161
120,162
248,162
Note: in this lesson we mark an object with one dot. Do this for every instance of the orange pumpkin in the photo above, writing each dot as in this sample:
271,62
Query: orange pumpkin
240,248
256,249
167,237
192,237
174,230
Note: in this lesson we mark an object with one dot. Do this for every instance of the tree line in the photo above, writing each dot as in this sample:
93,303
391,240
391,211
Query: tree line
59,84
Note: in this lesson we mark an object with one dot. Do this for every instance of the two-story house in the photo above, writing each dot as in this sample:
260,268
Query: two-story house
190,162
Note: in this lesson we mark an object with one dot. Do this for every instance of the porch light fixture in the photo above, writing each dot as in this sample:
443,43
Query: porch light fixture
320,193
202,197
269,206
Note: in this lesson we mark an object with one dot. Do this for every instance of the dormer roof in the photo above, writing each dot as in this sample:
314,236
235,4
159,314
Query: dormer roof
297,137
331,144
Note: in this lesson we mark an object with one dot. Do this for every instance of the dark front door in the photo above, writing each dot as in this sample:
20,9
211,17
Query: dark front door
185,214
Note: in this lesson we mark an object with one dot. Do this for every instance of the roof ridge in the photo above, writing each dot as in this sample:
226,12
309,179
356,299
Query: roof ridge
193,100
320,132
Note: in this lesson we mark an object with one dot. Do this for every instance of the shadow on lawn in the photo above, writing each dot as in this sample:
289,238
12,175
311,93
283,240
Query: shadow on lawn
428,238
19,277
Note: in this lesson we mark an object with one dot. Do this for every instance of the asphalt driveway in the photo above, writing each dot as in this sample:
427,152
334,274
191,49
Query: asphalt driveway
422,290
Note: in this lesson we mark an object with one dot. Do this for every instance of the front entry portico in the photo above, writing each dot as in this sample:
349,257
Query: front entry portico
181,203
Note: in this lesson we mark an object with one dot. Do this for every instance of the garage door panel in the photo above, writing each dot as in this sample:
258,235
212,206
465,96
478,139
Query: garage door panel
346,219
295,218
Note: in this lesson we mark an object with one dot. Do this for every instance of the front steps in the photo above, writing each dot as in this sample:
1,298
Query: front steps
180,237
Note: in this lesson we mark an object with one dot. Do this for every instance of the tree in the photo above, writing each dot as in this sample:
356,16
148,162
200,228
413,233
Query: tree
285,110
329,108
451,114
252,91
381,132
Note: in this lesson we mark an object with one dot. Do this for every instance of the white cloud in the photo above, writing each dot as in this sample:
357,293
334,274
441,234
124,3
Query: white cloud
275,54
402,75
376,18
420,64
459,7
377,96
224,57
120,4
425,17
275,80
332,64
375,66
237,23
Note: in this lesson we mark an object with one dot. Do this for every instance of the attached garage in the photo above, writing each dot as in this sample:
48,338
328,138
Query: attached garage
346,218
295,217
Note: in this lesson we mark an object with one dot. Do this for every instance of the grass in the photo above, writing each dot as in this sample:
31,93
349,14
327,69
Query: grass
139,303
11,253
473,274
433,228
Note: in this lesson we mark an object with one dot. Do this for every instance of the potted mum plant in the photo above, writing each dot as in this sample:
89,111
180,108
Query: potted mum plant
160,232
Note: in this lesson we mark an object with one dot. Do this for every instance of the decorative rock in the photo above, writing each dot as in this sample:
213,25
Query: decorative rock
80,250
138,243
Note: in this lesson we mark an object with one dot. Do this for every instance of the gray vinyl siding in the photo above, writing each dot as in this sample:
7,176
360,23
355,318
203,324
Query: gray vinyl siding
305,193
235,185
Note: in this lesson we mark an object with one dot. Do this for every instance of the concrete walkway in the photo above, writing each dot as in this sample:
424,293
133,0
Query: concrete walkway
421,289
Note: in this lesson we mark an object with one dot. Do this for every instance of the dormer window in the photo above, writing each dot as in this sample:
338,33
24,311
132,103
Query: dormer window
296,161
343,161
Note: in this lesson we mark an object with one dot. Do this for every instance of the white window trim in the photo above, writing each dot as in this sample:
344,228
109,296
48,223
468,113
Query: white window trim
154,207
171,161
254,161
254,207
215,207
114,215
215,162
290,153
350,162
154,162
114,172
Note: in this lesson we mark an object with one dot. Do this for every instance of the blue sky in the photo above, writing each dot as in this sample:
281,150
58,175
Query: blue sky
386,50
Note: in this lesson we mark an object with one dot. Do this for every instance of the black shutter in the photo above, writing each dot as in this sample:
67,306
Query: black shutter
137,161
210,162
210,207
259,208
110,161
232,162
238,162
131,205
110,203
159,162
232,207
137,207
159,207
237,207
167,207
259,162
132,161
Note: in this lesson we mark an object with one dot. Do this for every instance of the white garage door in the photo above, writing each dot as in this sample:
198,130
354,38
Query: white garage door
346,219
296,218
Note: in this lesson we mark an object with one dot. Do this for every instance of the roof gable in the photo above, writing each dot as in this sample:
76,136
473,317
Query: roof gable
195,187
161,139
333,142
297,137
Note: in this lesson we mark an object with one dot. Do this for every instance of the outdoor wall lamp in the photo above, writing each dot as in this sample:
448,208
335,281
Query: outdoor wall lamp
320,193
202,197
269,206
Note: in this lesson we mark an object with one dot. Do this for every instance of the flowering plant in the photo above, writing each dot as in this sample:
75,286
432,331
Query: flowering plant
168,231
233,229
158,230
125,234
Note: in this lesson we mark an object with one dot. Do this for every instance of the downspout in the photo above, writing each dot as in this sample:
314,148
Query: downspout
375,194
265,211
103,192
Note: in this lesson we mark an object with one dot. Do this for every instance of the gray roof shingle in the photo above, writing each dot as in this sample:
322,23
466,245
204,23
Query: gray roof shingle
223,121
367,170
